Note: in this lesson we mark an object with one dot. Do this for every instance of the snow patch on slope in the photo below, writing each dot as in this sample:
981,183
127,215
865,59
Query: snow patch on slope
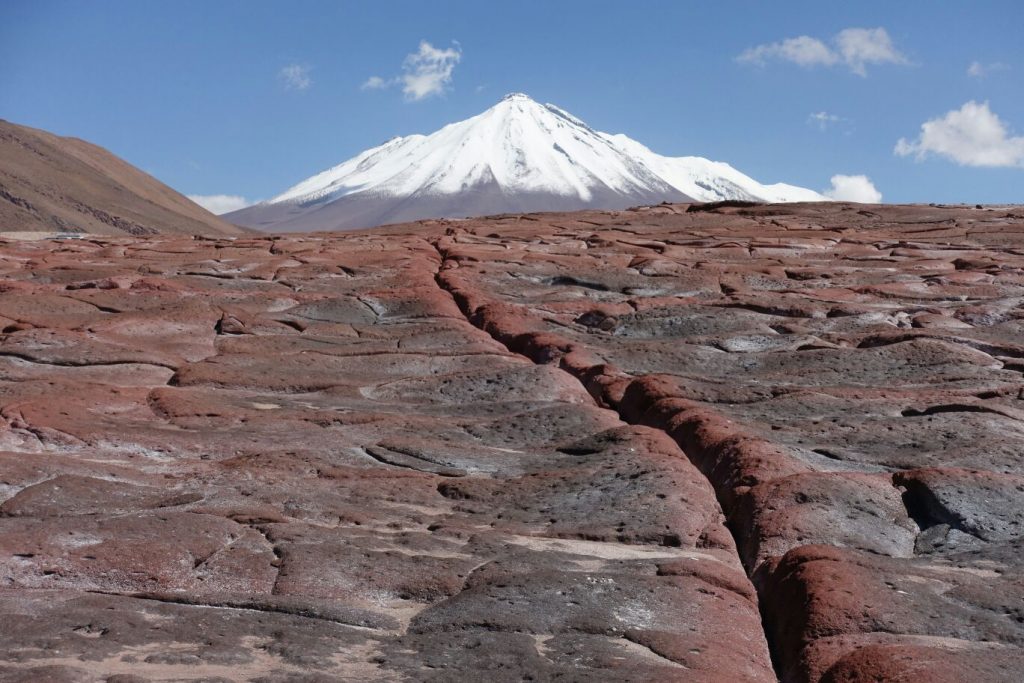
711,181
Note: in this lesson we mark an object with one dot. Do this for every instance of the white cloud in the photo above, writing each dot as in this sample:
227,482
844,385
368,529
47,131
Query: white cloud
425,73
802,50
971,136
822,119
855,48
296,77
375,83
862,46
979,70
429,71
853,188
220,203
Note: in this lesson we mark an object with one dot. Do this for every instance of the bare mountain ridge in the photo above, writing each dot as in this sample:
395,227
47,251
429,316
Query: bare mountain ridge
50,183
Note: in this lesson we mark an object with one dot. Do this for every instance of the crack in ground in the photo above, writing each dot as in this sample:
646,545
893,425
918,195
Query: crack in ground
83,364
463,305
246,603
380,454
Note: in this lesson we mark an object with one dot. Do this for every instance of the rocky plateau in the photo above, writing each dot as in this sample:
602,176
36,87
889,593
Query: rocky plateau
685,442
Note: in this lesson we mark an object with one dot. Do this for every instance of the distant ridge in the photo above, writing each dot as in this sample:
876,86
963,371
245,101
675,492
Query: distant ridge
53,184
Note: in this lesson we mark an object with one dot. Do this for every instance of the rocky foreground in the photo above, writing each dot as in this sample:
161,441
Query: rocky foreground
668,444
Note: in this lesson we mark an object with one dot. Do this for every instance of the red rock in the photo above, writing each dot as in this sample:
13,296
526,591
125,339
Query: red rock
548,447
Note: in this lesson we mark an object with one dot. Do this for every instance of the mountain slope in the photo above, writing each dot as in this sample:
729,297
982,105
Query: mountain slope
712,181
517,156
56,184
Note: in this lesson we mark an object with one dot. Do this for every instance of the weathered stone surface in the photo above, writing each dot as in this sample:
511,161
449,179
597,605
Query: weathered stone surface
843,379
223,464
627,446
975,598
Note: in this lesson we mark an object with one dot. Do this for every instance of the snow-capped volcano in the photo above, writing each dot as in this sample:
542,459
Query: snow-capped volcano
518,155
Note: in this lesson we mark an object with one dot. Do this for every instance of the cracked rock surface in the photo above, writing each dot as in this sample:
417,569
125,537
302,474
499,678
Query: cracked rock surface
693,443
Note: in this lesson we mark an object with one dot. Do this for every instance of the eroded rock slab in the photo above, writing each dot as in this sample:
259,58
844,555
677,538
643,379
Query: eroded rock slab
646,445
845,379
296,459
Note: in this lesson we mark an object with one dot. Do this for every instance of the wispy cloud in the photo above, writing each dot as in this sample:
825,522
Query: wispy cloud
862,46
429,70
853,188
376,83
425,73
979,70
854,48
972,135
802,50
220,203
296,77
822,119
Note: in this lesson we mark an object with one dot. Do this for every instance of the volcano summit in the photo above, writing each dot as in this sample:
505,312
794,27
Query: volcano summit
517,156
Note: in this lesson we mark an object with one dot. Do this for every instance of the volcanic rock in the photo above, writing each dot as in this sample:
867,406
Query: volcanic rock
741,442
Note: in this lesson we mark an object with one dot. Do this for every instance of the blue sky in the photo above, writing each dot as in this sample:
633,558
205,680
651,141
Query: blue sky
247,98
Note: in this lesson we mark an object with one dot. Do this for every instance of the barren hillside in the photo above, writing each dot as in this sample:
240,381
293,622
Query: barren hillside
52,184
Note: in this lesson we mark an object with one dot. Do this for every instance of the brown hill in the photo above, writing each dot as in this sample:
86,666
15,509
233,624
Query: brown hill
53,184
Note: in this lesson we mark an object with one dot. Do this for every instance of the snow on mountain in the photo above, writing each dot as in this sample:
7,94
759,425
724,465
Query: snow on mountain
520,144
518,155
712,181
